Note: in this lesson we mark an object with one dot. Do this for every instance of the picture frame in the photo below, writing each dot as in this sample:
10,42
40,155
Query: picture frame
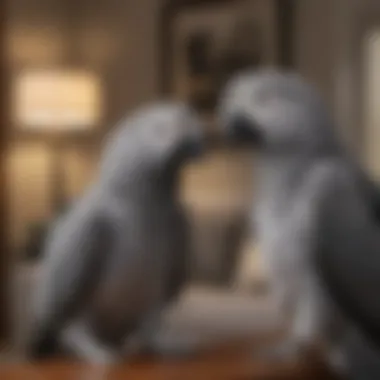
204,42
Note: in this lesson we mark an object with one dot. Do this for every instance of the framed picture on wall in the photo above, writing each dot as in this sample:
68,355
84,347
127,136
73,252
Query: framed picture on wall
205,42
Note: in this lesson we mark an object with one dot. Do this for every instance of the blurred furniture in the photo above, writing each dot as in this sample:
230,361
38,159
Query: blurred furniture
204,316
221,326
224,364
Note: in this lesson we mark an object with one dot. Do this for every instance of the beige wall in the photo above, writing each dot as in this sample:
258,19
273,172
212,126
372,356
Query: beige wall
314,42
329,52
324,32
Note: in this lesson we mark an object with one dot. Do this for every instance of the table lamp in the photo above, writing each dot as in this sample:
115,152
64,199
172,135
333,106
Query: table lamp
56,104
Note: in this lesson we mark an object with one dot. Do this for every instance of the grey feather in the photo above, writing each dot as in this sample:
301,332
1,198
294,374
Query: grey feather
118,257
316,212
66,275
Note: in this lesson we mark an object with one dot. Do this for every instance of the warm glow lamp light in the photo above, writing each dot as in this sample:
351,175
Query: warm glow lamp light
55,104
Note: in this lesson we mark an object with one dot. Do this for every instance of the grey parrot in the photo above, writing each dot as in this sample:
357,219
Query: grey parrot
119,255
316,218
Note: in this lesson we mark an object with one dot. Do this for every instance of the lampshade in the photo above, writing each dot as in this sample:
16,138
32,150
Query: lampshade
56,100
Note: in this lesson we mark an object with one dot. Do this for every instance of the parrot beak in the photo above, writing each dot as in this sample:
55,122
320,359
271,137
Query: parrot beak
190,148
243,130
193,148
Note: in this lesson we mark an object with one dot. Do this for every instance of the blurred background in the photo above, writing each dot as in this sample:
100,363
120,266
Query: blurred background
73,68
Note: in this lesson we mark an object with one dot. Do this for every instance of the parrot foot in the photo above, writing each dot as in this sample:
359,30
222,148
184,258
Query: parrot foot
86,347
99,356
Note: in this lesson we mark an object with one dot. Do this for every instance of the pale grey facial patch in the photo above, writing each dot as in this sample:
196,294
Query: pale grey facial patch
288,111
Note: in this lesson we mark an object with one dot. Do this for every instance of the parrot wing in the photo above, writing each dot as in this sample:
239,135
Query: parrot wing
75,253
348,249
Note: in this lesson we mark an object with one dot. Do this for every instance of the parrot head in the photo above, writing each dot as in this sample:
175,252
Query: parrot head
275,111
154,139
169,133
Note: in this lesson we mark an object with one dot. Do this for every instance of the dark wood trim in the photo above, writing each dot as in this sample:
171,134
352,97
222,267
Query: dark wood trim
358,86
4,128
169,9
286,28
285,22
366,20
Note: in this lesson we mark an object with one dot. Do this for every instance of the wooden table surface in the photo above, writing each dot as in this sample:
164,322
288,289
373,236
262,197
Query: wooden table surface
225,364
